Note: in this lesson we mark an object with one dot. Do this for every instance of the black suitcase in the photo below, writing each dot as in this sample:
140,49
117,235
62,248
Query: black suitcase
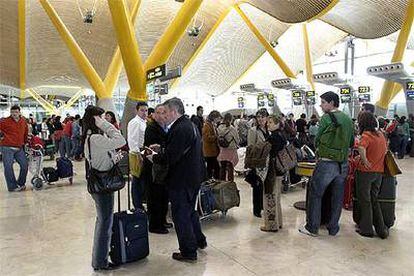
386,197
129,240
50,174
64,167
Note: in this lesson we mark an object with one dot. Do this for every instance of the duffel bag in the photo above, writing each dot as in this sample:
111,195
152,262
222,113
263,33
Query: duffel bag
226,196
50,174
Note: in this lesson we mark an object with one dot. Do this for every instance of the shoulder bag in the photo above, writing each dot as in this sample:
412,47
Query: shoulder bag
286,159
390,165
104,182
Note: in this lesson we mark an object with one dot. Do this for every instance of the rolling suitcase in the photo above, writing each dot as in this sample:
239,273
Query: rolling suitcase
64,167
386,199
350,182
129,240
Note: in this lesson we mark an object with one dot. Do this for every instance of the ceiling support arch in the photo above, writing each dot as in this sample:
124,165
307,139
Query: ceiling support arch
391,89
22,46
285,68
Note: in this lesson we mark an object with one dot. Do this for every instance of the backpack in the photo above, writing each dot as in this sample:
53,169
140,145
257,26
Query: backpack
223,142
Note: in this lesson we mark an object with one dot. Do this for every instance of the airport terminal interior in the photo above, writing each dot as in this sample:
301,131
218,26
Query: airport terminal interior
278,69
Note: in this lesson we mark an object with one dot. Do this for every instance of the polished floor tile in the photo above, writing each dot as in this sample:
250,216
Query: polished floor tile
49,232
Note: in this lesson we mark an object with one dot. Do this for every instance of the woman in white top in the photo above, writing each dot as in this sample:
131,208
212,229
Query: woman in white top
101,138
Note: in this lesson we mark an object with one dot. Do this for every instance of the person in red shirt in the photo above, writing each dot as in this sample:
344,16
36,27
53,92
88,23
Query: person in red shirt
13,133
65,145
372,148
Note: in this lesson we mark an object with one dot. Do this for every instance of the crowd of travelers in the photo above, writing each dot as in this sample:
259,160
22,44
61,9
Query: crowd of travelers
171,154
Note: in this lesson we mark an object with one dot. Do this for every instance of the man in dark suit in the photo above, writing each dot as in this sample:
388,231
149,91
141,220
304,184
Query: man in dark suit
185,170
156,133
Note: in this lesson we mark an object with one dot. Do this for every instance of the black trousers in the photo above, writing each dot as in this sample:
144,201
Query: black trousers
257,197
157,205
186,220
213,167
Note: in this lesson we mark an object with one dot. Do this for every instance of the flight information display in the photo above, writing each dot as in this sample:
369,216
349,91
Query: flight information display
364,89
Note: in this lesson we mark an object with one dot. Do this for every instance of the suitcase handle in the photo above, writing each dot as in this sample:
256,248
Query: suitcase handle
128,196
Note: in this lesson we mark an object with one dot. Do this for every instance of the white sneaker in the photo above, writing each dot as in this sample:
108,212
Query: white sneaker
19,189
305,231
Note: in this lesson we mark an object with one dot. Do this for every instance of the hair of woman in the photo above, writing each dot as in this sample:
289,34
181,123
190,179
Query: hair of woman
367,122
88,121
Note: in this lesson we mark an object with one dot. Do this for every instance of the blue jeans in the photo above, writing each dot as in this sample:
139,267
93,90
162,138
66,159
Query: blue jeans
76,143
104,204
137,191
65,147
9,155
186,220
403,146
326,173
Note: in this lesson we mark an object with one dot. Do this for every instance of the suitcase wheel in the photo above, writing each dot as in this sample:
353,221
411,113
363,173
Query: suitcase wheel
37,182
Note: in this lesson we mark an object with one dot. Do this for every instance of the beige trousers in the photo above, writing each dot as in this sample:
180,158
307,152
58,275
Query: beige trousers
272,208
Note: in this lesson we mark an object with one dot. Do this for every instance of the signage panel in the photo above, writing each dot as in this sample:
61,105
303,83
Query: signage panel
157,72
364,89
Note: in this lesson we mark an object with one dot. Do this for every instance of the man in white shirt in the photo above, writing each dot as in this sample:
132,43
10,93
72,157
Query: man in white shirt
136,133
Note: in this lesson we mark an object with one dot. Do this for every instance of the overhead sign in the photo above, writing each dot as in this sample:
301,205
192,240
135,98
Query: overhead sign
297,101
310,97
410,85
310,94
260,100
157,72
249,86
297,97
410,95
161,89
364,98
240,102
346,98
296,94
345,90
270,100
364,89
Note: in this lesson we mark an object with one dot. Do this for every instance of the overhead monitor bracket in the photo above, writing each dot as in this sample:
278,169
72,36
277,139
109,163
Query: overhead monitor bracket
392,72
395,72
286,84
329,78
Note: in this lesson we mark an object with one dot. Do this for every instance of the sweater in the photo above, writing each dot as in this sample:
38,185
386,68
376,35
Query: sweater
14,133
101,145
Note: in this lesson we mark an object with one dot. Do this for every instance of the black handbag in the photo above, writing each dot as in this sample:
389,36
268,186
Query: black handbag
103,182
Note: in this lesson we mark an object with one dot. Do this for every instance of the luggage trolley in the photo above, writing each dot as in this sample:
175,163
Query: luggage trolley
216,196
35,156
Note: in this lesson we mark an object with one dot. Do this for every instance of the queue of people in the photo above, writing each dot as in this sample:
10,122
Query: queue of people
175,154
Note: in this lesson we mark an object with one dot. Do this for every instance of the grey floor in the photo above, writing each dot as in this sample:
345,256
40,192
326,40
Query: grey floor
49,232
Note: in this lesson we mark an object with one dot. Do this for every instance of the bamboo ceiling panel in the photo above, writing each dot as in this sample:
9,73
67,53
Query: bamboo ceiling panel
49,60
9,43
230,52
153,18
292,11
367,18
322,37
208,14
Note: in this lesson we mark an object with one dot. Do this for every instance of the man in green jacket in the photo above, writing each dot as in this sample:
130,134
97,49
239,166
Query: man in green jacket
334,138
